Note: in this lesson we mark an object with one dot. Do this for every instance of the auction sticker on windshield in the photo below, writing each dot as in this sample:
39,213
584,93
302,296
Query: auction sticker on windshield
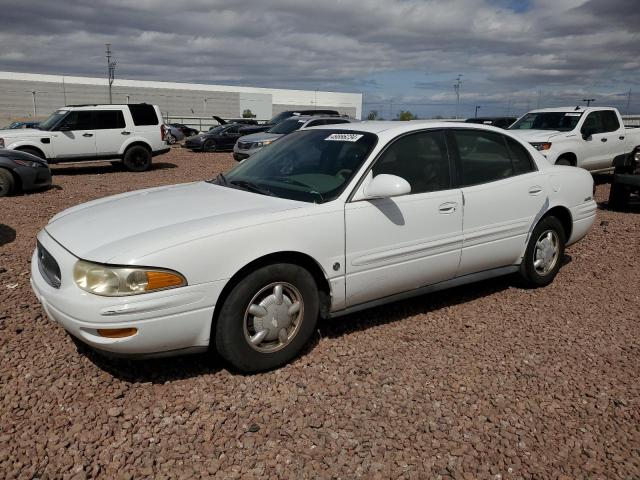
343,137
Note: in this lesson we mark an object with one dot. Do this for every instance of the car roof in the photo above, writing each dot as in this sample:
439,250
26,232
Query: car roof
398,127
578,109
316,117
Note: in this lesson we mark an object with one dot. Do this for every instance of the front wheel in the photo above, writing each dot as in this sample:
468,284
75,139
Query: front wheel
209,146
267,318
7,183
544,253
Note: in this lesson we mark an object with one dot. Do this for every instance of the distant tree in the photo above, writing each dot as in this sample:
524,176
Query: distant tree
248,114
404,116
373,115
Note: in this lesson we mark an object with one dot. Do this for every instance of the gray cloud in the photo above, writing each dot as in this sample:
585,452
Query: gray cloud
589,45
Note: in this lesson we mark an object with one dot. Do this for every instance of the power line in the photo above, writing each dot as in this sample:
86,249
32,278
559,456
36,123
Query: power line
111,67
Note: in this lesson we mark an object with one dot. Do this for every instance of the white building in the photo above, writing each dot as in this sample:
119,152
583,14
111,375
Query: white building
26,95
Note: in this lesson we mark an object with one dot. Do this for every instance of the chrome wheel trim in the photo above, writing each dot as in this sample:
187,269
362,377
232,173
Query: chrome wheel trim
273,317
546,252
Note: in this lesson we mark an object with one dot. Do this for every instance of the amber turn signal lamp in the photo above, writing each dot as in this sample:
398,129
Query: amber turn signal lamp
117,332
158,280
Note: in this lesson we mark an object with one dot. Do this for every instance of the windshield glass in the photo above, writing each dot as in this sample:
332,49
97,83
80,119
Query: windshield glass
217,129
53,120
282,116
310,165
287,126
561,121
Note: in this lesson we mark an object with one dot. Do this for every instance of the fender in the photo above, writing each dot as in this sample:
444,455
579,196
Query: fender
131,140
45,148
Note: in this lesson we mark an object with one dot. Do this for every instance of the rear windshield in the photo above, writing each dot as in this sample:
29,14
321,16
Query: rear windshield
143,114
287,126
561,121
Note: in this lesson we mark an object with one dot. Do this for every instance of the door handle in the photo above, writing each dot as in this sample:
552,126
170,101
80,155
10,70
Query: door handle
447,208
621,137
87,134
535,190
125,133
603,139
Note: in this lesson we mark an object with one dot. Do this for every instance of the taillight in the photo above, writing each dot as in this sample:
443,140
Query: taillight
162,132
1,142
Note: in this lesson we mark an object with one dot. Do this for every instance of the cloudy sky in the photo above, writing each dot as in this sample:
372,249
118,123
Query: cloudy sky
402,54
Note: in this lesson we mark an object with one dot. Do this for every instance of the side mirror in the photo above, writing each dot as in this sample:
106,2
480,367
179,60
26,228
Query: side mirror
64,128
385,186
586,132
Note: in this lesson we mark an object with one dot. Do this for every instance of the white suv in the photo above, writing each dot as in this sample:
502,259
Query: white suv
130,133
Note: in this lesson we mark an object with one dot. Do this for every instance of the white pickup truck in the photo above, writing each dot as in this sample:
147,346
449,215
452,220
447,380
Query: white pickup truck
589,137
131,134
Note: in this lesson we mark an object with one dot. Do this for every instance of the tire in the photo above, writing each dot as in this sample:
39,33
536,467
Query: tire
170,139
209,146
32,151
549,233
7,183
564,161
137,159
237,325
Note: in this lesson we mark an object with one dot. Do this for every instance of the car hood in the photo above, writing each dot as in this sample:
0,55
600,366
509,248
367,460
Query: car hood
260,137
123,228
23,133
535,135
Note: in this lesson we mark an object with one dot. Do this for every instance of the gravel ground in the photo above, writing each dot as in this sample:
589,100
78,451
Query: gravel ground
483,381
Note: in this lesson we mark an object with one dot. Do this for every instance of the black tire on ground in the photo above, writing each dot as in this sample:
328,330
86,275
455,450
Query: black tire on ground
236,325
7,183
564,161
548,232
32,151
209,146
137,159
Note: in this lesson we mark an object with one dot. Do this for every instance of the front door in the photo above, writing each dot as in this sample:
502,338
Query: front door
402,243
75,137
503,195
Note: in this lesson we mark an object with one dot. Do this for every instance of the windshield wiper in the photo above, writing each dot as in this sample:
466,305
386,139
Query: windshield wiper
292,181
252,187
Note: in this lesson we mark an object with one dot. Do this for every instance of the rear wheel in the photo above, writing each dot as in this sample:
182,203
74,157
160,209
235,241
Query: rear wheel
137,159
7,183
564,161
544,253
267,318
170,139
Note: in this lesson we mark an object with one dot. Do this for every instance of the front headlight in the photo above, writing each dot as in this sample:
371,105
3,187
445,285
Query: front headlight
264,143
27,163
541,145
121,281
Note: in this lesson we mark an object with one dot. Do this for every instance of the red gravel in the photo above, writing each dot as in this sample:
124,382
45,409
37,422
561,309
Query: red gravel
484,381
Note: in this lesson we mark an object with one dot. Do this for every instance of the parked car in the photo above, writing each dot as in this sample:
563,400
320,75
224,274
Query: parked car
243,121
501,122
250,144
131,134
21,171
220,138
589,137
15,125
172,134
326,221
282,116
185,130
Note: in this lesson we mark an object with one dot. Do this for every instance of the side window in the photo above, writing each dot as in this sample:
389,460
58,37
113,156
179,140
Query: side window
233,129
143,114
483,156
610,120
331,121
108,119
420,158
520,158
315,123
78,120
593,123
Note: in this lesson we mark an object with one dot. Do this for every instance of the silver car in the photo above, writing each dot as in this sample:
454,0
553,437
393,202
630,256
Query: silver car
250,144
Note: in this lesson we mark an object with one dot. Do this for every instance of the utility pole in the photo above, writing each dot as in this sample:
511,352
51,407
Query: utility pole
111,68
588,100
64,91
456,88
477,107
539,98
35,109
628,101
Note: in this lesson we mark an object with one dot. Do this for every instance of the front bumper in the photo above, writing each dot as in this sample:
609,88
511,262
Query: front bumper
167,321
33,178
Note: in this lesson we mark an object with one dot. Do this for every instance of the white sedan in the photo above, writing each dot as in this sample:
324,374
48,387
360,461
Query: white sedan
324,222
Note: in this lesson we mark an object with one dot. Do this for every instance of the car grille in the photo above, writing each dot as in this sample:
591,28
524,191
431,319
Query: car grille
244,145
48,267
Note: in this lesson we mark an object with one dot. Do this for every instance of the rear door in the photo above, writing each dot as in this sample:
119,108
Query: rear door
110,131
503,193
75,137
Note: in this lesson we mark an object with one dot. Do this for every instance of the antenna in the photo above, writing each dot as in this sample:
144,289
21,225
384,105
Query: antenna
111,68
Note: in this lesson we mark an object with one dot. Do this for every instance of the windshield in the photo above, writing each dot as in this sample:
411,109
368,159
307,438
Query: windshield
310,165
217,129
561,121
287,126
53,120
282,116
